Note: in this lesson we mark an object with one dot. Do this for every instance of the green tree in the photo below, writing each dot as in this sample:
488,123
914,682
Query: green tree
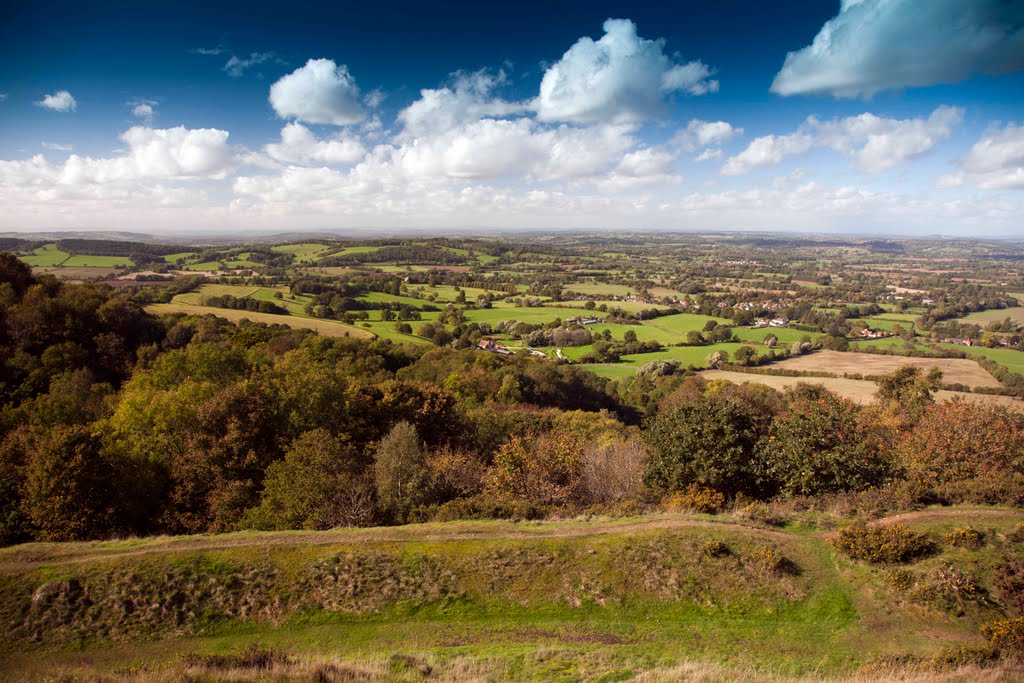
401,473
629,336
316,486
709,443
817,446
70,490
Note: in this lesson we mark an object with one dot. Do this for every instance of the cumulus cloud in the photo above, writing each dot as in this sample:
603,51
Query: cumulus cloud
143,109
872,143
61,101
319,92
995,162
707,136
874,45
237,66
299,146
618,78
467,99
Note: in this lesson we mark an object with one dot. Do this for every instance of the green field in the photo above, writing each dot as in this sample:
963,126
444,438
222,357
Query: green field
1015,314
1013,360
686,355
303,253
597,599
46,255
99,261
348,251
598,289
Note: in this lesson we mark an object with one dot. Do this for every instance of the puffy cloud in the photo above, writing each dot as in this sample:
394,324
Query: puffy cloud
61,100
707,136
617,78
467,99
873,143
299,146
995,162
874,45
143,109
237,66
153,154
319,92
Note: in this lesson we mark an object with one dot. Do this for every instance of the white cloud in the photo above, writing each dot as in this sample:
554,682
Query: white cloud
707,136
56,146
143,109
875,45
299,146
995,162
209,51
61,101
617,78
319,92
767,150
467,99
872,143
3,96
237,66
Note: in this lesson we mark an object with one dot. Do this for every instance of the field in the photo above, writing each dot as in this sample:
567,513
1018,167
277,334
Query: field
1013,360
954,370
46,255
325,327
686,355
79,272
857,390
996,315
303,253
598,600
89,261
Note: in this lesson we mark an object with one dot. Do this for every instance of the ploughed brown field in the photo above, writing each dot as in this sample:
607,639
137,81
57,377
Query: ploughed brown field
860,391
954,370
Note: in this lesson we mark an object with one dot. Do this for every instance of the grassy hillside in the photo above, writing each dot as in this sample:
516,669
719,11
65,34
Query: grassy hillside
596,599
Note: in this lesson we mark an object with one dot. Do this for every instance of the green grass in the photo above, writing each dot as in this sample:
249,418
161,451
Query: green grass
686,355
596,599
1015,313
348,251
883,343
1013,360
99,261
785,335
185,255
47,255
303,253
598,289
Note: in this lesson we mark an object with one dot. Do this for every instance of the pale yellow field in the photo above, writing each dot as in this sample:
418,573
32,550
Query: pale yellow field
329,328
857,390
954,370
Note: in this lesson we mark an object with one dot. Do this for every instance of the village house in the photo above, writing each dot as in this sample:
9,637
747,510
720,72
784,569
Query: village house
492,346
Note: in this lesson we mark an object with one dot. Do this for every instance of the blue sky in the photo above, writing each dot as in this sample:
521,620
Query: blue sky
889,116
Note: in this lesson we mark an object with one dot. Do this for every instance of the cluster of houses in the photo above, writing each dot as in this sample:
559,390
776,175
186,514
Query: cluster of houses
869,333
961,341
492,346
583,320
775,322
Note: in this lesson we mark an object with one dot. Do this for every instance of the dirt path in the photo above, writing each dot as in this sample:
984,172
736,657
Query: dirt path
36,554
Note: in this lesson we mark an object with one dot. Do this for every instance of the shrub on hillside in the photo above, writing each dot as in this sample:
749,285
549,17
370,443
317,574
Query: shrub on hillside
968,451
771,561
696,499
1008,577
965,537
714,548
892,544
1006,634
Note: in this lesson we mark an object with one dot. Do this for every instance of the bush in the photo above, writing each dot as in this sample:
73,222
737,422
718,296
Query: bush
771,561
882,545
949,589
1008,578
965,537
697,499
1006,634
763,513
714,549
481,507
899,580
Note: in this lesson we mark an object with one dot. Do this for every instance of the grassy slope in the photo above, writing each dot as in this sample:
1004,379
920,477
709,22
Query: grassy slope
326,327
605,599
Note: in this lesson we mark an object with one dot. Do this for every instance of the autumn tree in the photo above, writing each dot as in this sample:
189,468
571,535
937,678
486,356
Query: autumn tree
401,473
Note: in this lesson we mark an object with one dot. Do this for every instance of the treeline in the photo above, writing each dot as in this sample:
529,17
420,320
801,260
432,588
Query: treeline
245,304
